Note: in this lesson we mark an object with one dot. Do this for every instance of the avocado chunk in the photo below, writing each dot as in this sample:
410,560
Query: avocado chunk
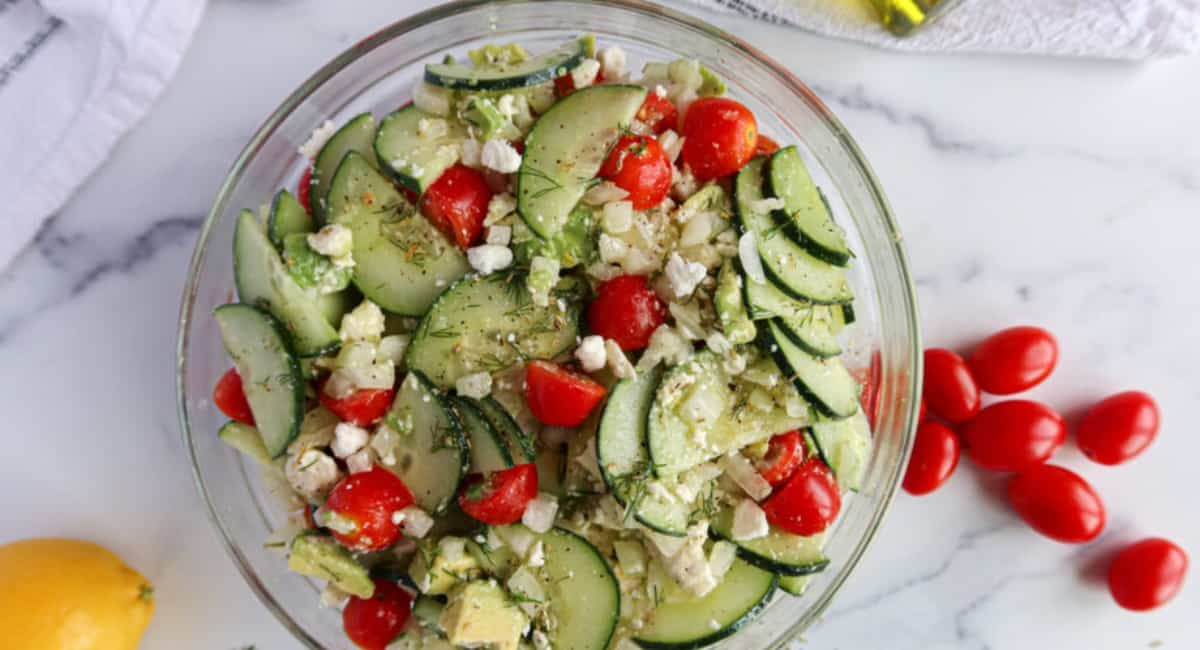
731,311
481,613
710,85
323,558
575,244
311,269
437,569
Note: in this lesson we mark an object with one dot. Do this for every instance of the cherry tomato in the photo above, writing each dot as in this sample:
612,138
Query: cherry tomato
639,166
766,146
372,623
457,204
869,392
721,137
808,503
921,411
934,457
1118,427
559,397
499,498
231,399
1014,359
1057,503
363,504
627,311
658,113
785,452
1013,435
302,189
1147,574
950,389
363,407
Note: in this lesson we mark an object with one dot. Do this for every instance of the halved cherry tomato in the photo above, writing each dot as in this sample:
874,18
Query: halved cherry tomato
934,457
500,497
363,407
366,501
1013,435
808,503
1057,503
869,393
559,397
1147,574
658,113
721,137
457,204
627,311
785,452
766,146
302,189
638,165
372,623
231,399
1118,427
950,390
1014,359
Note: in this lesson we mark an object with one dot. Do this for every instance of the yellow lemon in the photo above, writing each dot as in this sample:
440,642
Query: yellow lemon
63,594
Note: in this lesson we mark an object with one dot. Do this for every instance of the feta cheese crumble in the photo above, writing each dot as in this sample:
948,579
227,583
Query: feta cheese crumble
476,386
612,250
739,468
311,473
540,512
334,241
489,258
749,521
591,353
585,73
471,153
683,275
612,63
316,141
348,439
363,323
499,155
415,522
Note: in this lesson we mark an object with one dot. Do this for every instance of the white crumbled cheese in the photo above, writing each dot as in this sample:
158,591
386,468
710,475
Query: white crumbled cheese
618,363
683,275
347,439
749,521
591,352
500,206
432,99
360,461
384,443
612,250
666,345
767,204
585,73
720,558
475,386
416,522
432,128
392,348
454,549
739,468
332,597
499,155
540,512
334,241
499,235
311,473
617,217
612,63
316,141
671,143
684,184
363,323
378,375
751,262
604,192
335,521
718,343
537,554
340,384
697,229
471,153
489,258
689,567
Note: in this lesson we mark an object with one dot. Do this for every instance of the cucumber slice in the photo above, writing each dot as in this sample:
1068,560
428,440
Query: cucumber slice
486,323
794,585
270,373
730,306
779,552
432,454
521,446
247,440
809,326
412,159
792,268
263,280
824,382
402,261
551,463
581,591
325,559
287,217
336,305
681,622
845,446
529,72
623,459
805,215
488,451
357,135
565,148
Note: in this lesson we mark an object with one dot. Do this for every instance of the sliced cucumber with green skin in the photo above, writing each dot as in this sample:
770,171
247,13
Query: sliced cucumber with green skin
582,593
794,585
410,158
336,305
810,326
263,280
778,552
530,72
551,463
792,268
565,148
486,323
805,214
287,217
432,455
686,623
401,261
824,382
730,306
845,446
247,440
488,451
323,558
357,135
270,373
623,459
521,446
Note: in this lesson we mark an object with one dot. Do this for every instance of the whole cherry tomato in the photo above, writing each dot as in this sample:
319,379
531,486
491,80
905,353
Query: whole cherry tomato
363,504
1014,359
766,146
372,623
231,399
721,137
785,452
627,311
1147,574
302,189
1012,435
934,457
457,204
950,389
363,407
1057,503
1118,427
658,113
559,397
500,497
638,165
808,503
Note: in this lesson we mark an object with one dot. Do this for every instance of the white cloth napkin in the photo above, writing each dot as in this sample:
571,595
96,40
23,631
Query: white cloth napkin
1110,29
75,75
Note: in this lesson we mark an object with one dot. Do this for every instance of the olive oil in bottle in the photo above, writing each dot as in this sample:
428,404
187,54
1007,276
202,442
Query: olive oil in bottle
901,17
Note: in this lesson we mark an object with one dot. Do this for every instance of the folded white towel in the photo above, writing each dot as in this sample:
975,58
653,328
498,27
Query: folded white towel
75,75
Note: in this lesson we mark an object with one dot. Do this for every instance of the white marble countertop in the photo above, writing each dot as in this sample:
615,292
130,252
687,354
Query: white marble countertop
1055,192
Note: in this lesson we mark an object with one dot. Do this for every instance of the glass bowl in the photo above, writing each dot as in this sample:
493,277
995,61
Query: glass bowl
377,74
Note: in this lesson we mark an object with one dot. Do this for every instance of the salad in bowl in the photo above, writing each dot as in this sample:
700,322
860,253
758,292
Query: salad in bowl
548,357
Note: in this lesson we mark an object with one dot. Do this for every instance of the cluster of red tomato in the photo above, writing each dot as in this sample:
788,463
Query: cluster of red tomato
1020,436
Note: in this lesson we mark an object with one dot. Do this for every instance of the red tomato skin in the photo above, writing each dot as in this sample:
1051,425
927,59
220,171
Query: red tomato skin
950,390
457,204
1118,427
1014,359
363,407
565,84
502,498
869,381
658,113
627,311
1057,503
808,503
372,623
934,457
784,454
1012,435
368,499
921,411
722,135
1147,574
558,397
639,166
765,146
231,399
302,189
